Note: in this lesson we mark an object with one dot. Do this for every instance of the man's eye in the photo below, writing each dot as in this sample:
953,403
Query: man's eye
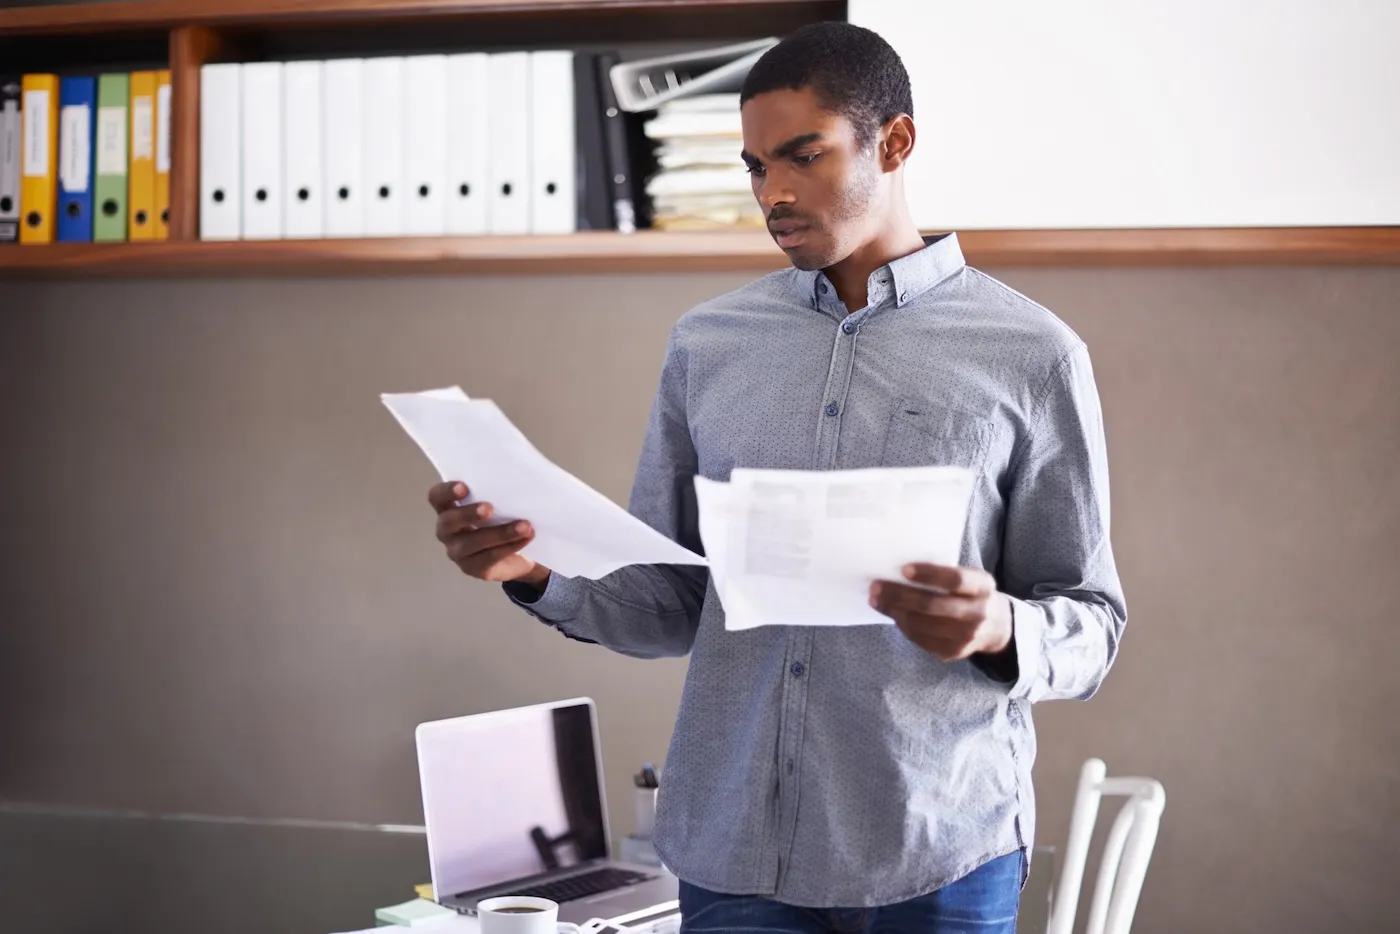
806,158
755,169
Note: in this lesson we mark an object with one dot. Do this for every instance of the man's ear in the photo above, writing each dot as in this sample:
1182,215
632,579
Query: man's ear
896,142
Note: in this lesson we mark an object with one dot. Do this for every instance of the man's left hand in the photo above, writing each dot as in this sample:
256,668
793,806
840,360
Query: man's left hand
969,616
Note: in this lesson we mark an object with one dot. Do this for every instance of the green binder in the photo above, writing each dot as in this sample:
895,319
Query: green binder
110,148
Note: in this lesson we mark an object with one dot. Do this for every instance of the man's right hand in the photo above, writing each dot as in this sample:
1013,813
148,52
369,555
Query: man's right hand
482,550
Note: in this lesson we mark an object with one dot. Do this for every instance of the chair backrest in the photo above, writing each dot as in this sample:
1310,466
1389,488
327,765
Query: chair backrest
1125,855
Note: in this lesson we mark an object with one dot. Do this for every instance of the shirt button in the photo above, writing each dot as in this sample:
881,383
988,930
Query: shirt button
848,327
797,670
821,287
832,408
904,296
789,766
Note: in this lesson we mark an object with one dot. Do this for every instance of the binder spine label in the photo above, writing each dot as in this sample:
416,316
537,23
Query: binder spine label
9,167
9,137
142,114
163,128
36,134
74,148
111,140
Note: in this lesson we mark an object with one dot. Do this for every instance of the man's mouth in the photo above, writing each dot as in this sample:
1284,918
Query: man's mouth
787,234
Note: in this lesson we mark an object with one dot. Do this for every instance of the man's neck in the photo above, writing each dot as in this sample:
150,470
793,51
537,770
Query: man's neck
851,275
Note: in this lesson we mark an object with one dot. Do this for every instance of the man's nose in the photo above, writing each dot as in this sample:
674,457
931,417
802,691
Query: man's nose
775,191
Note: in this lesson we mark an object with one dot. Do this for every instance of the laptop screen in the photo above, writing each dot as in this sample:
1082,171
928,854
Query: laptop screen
510,794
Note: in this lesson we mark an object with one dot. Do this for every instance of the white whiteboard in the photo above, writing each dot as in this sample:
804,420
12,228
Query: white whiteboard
1149,113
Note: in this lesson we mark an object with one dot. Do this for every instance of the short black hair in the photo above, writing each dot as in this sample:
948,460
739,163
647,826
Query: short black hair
851,70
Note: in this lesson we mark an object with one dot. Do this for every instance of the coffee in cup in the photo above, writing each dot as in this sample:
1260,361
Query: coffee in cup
521,914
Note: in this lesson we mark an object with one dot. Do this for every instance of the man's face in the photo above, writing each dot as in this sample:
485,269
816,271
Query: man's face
818,189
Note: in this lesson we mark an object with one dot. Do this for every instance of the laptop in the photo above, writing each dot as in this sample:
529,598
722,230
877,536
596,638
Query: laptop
513,804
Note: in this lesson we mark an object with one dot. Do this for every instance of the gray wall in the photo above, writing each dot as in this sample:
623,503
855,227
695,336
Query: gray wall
221,593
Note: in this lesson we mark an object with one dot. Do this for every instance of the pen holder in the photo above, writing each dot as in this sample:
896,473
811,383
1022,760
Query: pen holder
643,812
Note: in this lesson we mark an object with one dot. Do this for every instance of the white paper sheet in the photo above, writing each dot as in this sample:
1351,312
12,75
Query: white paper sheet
579,532
793,547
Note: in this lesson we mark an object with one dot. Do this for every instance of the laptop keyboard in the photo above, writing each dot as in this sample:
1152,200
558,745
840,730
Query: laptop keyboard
582,885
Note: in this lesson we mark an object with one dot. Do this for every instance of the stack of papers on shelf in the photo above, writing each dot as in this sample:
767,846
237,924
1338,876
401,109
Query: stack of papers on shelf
701,182
800,547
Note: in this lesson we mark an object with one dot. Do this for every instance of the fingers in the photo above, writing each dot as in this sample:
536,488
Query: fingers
889,598
469,547
481,563
462,519
950,643
483,551
943,624
444,496
971,582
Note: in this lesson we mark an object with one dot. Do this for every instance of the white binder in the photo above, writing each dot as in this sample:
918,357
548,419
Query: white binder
425,145
262,150
342,134
303,190
220,150
553,154
508,142
383,147
468,174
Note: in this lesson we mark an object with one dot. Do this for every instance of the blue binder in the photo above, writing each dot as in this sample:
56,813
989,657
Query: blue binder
77,108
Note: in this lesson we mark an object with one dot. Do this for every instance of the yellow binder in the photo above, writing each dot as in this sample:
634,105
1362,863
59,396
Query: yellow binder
38,189
163,124
141,177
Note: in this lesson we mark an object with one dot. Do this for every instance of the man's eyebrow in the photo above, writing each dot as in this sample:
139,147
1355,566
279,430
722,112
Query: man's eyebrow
796,143
787,148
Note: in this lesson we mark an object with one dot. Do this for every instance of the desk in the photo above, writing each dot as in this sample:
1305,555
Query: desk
112,875
64,874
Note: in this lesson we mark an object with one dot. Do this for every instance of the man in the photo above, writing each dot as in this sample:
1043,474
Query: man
871,777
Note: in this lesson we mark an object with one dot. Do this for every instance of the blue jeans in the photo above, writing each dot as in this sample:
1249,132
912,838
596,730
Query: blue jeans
984,902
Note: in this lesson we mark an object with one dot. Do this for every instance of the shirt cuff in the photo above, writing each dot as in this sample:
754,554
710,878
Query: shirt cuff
1023,664
559,602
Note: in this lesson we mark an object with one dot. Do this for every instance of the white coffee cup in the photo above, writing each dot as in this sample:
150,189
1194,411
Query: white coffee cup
521,914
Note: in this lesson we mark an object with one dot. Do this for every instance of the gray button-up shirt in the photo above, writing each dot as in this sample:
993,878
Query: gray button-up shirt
847,766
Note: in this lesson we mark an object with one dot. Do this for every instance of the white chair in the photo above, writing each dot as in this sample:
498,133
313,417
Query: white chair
1125,854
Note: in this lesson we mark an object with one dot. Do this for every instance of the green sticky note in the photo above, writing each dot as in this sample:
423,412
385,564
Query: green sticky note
412,913
110,154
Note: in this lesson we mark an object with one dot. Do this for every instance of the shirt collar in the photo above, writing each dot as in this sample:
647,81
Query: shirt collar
899,281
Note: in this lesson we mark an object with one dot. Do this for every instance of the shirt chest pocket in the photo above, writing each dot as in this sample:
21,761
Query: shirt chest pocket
923,434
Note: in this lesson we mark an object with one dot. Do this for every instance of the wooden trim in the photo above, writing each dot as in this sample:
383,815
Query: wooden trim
648,251
1196,246
168,14
654,251
190,47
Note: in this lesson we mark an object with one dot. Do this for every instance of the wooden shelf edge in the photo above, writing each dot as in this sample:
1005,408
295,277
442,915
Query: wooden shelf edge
168,14
654,251
1196,246
646,251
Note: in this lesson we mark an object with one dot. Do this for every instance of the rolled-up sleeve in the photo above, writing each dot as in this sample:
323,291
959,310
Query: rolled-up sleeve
645,611
1057,560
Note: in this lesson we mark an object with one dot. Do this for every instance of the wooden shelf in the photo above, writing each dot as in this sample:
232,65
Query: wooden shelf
1205,246
198,32
168,14
645,251
654,251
